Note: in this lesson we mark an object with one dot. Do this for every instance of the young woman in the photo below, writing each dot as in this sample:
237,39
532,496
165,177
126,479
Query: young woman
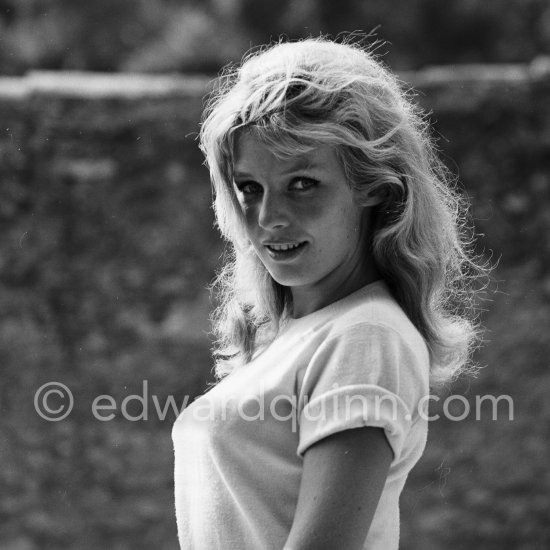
344,297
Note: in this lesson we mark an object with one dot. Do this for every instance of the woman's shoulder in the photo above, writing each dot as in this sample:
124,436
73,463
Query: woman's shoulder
369,313
372,306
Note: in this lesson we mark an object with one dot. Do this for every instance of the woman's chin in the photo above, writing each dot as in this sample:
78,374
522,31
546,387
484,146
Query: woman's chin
286,279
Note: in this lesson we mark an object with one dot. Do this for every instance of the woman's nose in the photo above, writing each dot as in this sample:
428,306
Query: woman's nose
273,212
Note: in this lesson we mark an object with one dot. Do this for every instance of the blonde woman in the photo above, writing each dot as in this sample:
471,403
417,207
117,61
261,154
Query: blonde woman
345,295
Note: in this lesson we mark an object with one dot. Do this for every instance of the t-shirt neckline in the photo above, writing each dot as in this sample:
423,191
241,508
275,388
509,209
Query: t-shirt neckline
291,322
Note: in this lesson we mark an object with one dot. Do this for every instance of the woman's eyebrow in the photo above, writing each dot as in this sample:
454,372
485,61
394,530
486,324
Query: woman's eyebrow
297,166
242,174
301,164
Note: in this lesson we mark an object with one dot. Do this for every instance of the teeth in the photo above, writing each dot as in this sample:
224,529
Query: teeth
283,246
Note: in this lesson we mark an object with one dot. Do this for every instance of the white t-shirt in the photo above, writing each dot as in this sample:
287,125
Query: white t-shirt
239,448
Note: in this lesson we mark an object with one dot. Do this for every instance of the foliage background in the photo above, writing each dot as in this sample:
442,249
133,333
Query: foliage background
199,36
107,247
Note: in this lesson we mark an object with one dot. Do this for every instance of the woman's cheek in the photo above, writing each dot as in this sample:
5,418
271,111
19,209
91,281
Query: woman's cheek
250,213
310,211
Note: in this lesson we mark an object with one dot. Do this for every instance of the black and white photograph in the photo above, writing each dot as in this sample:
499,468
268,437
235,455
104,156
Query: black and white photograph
274,275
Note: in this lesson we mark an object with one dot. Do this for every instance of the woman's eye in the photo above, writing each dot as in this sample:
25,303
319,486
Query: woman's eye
303,184
249,187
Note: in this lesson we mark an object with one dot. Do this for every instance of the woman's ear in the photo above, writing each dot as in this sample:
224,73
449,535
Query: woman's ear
366,196
389,190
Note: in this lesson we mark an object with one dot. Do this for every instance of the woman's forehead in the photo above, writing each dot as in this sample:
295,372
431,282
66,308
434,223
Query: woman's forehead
250,153
282,145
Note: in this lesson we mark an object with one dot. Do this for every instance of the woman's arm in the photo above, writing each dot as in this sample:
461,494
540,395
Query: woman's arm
342,481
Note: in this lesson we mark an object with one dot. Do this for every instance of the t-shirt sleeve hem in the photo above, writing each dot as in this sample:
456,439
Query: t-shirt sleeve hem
352,407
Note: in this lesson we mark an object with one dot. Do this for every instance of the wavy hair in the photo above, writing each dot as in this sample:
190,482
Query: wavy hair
296,95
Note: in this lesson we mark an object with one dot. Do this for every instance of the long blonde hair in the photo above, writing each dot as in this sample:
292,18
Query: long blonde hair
297,95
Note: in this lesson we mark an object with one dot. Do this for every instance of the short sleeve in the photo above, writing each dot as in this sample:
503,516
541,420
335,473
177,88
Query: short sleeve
366,375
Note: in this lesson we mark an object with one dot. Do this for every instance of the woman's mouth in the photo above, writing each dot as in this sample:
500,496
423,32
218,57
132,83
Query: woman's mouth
285,251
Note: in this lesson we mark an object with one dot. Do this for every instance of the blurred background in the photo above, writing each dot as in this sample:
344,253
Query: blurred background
107,247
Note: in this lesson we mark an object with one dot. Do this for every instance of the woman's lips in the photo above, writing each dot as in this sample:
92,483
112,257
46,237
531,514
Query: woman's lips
285,251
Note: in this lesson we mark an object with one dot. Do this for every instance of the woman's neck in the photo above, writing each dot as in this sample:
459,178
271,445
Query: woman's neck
309,298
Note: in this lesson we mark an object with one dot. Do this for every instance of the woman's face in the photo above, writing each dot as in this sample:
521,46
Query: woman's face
301,218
